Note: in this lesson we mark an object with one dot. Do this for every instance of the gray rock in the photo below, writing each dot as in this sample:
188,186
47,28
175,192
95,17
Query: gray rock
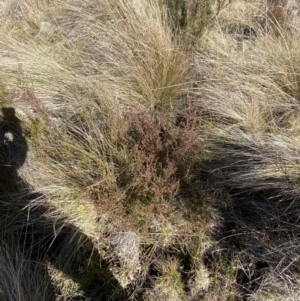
125,264
125,244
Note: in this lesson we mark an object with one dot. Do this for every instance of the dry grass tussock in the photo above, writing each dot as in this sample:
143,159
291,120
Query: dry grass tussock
250,93
149,150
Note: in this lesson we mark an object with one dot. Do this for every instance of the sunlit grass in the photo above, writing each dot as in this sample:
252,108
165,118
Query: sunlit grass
170,123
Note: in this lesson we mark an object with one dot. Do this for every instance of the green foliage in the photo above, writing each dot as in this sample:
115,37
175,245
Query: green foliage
33,130
191,16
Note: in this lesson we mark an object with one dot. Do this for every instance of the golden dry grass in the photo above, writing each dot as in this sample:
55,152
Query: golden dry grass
165,123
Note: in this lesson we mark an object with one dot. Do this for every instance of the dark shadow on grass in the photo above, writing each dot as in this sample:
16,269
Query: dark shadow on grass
238,249
260,221
13,150
26,222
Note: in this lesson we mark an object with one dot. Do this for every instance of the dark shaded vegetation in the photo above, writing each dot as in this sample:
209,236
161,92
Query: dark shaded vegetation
30,229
